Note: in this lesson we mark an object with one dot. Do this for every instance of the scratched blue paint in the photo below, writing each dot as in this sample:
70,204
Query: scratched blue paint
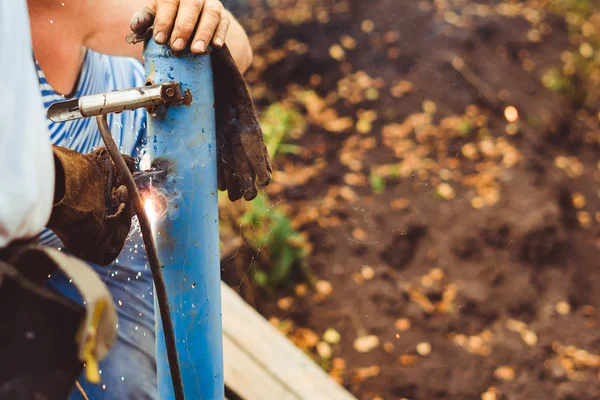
188,241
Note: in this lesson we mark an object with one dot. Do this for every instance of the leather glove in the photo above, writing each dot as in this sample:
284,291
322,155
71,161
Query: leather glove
242,158
92,211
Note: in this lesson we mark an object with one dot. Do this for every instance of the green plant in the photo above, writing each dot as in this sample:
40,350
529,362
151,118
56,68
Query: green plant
377,183
580,7
270,231
554,80
579,77
266,228
465,128
279,122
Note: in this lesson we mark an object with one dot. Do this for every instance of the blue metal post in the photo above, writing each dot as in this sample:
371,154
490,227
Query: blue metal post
188,238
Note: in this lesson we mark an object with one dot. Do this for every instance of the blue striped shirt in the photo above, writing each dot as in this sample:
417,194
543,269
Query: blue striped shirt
99,73
128,278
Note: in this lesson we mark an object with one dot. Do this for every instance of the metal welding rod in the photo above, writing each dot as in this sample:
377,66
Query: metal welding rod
114,102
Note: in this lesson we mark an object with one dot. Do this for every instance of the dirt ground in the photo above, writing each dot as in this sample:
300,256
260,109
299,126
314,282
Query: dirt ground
457,251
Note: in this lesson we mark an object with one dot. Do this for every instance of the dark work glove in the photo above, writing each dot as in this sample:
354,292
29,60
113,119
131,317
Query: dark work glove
242,154
92,211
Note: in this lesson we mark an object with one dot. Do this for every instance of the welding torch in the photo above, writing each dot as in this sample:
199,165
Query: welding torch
99,105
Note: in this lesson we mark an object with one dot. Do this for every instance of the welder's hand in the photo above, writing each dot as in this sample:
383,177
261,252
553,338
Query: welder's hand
174,21
242,156
92,211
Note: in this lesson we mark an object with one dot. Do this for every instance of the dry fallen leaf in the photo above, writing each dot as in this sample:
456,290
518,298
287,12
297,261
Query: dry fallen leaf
477,202
408,359
445,191
337,369
337,52
365,344
388,347
357,278
304,338
348,194
578,200
429,107
324,287
402,324
367,26
332,336
534,35
401,88
563,308
511,114
516,325
301,290
372,93
359,234
586,50
529,337
324,350
424,349
584,218
364,126
367,272
393,52
512,129
285,303
437,274
489,395
469,150
339,124
355,179
348,42
366,372
504,373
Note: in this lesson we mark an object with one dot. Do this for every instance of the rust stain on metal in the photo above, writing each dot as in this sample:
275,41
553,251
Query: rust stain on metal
150,76
187,97
171,92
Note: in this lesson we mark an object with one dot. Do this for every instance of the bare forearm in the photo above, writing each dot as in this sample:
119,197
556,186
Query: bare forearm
238,44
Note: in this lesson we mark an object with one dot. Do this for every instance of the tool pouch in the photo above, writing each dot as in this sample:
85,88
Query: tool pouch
91,213
45,338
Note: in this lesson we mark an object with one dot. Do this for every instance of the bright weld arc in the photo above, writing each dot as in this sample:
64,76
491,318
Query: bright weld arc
150,212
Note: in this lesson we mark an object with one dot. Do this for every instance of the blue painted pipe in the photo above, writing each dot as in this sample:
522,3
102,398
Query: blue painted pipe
188,237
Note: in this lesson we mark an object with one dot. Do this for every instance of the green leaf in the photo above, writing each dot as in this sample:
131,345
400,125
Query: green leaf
464,128
377,183
261,278
283,267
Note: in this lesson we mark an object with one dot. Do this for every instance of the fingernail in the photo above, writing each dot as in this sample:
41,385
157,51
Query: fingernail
199,46
135,23
178,44
160,38
219,42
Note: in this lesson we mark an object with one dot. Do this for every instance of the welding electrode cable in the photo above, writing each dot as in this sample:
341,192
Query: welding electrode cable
159,283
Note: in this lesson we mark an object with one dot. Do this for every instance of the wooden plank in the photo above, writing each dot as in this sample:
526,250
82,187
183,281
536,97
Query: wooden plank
262,364
247,378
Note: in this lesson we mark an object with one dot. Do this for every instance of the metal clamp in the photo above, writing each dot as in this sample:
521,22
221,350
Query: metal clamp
116,101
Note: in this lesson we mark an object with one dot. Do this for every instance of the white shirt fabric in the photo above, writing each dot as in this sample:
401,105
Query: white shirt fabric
26,161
